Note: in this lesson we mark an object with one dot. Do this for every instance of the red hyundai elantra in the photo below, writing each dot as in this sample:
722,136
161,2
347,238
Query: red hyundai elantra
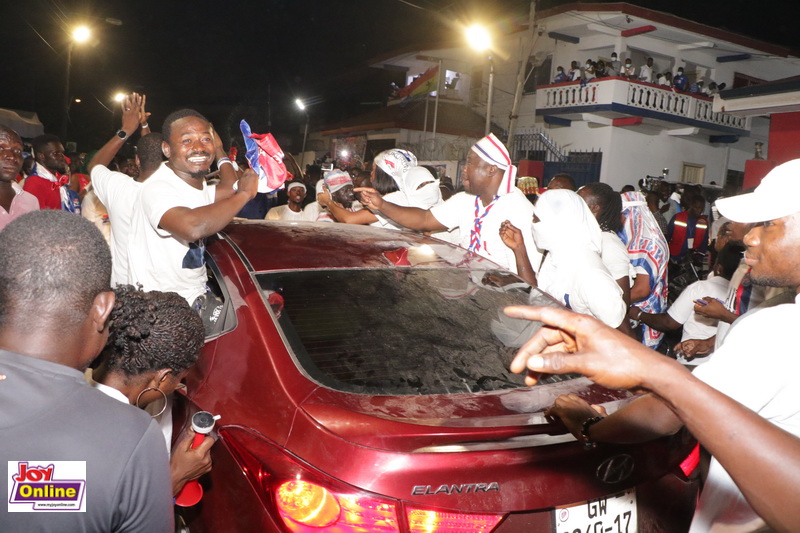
362,379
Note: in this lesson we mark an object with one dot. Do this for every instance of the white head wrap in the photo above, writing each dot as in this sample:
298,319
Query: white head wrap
565,223
570,233
427,196
491,150
396,163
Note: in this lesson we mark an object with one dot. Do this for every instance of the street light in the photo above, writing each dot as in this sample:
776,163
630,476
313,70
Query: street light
80,34
302,107
480,40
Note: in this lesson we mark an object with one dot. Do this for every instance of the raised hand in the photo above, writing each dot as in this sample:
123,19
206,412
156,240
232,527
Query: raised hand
511,236
571,342
370,197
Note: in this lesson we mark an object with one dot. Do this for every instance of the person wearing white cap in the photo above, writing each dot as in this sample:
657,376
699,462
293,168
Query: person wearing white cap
293,210
755,468
393,173
490,197
336,196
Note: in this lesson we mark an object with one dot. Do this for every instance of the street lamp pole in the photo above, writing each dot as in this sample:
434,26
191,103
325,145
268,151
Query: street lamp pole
479,39
79,35
302,106
65,118
488,127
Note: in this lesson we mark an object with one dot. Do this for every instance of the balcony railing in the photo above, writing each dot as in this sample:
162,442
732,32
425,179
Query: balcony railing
666,103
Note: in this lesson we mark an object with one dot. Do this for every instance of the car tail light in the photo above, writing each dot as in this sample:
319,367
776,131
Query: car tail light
425,521
309,501
309,507
306,499
689,464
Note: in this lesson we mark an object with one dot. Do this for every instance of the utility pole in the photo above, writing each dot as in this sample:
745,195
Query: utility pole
527,52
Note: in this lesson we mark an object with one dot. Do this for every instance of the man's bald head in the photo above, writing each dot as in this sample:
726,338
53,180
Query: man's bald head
562,181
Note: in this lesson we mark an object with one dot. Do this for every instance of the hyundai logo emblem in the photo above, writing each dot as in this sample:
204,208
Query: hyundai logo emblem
615,469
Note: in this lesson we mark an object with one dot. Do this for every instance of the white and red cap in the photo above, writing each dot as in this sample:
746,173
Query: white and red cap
491,150
336,179
776,197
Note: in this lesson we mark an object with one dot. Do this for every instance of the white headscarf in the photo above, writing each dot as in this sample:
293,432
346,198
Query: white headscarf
491,150
565,224
396,163
425,197
570,233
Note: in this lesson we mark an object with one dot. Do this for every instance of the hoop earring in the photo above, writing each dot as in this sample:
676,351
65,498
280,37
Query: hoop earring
162,394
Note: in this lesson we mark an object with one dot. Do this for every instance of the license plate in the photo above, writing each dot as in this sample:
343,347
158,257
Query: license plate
611,514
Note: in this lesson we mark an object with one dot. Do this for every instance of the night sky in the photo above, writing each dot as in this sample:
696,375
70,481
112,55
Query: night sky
251,59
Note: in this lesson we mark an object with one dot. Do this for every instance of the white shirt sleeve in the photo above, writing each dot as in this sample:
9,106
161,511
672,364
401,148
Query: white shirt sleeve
159,196
615,256
603,297
449,213
683,307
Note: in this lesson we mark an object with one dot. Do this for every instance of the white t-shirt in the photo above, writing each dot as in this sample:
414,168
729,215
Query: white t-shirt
459,211
397,198
157,259
118,192
93,210
282,212
585,288
646,73
615,256
697,326
764,338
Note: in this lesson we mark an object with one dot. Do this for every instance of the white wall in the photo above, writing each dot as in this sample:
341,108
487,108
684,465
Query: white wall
629,154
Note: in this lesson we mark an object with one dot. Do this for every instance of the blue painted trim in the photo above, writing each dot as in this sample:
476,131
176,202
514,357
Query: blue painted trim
639,112
723,139
736,57
557,121
563,37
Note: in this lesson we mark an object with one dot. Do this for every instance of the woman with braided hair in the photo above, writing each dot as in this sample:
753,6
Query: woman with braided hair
606,206
154,337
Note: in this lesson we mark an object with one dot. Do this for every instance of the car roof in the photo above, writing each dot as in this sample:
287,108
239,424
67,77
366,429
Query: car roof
276,246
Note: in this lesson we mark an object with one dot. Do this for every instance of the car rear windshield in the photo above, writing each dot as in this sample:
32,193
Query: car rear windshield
403,331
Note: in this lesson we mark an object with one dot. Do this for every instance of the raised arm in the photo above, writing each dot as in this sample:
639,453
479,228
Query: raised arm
512,237
131,109
227,174
409,217
193,224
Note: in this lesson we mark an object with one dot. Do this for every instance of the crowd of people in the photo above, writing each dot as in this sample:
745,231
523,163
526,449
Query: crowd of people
607,256
646,72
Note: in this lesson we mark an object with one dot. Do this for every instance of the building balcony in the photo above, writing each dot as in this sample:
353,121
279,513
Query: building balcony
627,103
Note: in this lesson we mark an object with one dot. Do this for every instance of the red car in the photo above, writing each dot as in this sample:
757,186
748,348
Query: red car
362,379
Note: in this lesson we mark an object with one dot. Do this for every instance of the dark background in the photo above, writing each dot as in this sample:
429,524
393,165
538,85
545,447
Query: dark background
251,58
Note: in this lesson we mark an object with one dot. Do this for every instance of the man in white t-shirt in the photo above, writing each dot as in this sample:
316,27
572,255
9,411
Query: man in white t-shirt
750,476
177,210
682,311
490,198
293,210
646,71
115,193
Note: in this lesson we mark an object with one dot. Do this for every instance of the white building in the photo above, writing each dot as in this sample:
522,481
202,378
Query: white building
626,128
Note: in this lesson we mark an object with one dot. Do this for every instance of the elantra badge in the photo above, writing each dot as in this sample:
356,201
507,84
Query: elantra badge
467,488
